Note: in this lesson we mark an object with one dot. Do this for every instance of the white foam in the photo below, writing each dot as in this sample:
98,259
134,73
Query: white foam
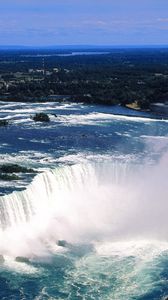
91,118
114,202
19,267
144,249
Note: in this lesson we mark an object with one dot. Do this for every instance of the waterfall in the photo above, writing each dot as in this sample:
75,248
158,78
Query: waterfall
44,192
112,201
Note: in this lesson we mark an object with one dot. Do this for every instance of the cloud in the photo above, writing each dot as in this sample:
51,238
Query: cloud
82,21
162,20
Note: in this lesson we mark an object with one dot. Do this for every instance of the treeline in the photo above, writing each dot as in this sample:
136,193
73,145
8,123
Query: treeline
122,76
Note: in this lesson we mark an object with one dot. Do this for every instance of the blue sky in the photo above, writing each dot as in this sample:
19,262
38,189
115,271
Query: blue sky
77,22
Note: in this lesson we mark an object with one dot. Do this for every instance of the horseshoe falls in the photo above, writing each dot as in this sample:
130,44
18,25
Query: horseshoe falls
92,222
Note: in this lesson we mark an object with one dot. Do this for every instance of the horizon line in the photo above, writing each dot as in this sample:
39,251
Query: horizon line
84,45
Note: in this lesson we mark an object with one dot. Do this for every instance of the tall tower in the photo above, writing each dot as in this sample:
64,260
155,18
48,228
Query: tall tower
43,66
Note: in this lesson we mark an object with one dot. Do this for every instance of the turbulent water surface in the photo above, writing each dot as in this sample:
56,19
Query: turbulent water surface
92,223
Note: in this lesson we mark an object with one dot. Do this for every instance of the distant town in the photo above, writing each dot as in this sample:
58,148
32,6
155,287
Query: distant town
137,78
13,85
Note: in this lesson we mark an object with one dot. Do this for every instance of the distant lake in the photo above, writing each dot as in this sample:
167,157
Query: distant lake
67,54
83,53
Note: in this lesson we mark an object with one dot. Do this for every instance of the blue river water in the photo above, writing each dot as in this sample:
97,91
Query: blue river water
92,222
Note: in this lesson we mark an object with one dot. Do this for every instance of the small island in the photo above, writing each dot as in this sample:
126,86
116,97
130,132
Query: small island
9,172
41,117
4,123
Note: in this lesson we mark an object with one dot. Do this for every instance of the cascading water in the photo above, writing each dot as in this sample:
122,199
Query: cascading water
71,203
85,203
